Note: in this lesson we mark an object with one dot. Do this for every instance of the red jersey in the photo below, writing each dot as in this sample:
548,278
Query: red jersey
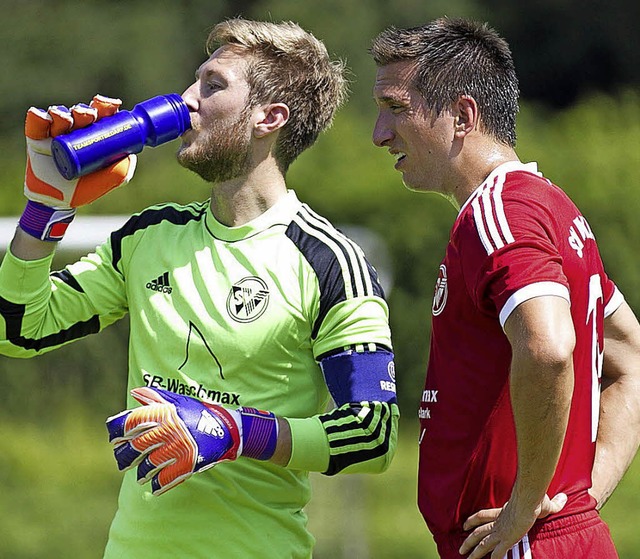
517,237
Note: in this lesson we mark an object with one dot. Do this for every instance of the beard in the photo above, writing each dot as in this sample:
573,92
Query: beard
221,152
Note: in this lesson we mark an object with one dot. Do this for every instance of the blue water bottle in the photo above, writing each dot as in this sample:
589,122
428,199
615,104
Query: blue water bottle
150,123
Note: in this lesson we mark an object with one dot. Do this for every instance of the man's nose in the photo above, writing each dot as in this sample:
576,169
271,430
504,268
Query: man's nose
190,96
382,132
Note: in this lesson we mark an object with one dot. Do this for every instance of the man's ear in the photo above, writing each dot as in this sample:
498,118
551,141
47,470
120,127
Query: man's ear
466,115
271,118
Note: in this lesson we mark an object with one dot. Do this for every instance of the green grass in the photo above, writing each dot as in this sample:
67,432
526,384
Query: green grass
371,516
59,489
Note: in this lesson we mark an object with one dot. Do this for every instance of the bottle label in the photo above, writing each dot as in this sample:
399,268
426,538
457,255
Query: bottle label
98,138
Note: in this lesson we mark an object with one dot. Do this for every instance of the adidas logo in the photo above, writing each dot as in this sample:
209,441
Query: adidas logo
160,284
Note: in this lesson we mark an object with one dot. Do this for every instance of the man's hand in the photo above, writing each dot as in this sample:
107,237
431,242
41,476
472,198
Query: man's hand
43,183
496,531
172,436
52,198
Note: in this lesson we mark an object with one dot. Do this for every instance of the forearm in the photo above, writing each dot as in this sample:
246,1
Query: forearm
541,397
25,247
618,438
24,293
541,382
619,427
282,454
41,310
541,386
350,439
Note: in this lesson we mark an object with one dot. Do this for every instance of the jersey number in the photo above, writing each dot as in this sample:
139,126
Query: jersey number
595,294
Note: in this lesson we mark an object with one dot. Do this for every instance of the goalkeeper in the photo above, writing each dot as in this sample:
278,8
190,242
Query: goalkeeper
248,312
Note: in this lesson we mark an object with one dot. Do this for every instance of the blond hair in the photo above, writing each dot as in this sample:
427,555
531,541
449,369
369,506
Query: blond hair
287,65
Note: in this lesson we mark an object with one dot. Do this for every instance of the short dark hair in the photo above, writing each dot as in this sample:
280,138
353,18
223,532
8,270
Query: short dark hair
458,57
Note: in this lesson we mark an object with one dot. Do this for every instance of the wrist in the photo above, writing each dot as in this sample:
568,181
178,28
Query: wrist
526,498
259,433
45,223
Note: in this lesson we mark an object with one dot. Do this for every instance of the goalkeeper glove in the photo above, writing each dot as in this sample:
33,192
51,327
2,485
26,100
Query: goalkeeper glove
171,436
51,198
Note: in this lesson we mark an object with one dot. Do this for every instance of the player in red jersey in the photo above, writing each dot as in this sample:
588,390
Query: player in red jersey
519,447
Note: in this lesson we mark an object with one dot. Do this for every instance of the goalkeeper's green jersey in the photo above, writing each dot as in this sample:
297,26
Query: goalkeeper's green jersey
236,316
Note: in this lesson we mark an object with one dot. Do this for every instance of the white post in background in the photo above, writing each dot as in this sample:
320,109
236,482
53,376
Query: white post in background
84,234
339,506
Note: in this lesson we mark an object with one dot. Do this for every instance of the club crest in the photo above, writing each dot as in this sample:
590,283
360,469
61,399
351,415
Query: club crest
248,299
441,292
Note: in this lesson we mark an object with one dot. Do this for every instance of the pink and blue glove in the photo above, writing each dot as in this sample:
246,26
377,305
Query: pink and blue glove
171,436
52,200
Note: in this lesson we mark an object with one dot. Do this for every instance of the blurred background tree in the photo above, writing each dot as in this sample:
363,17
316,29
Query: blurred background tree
579,65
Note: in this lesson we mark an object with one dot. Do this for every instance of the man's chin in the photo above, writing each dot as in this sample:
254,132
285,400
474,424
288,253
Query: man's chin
408,184
413,186
186,161
185,157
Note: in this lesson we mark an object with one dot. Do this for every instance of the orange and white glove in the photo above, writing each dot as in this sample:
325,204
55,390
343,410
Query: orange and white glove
171,437
52,199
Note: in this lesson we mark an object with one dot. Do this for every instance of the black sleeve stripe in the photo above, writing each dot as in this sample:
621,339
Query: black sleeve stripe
340,462
351,257
345,422
377,425
341,413
66,277
336,252
354,424
325,265
374,432
336,423
367,273
361,439
375,281
339,264
178,215
74,332
14,313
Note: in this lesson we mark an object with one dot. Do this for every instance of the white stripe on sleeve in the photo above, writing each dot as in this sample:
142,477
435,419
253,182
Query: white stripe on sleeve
614,303
490,218
530,291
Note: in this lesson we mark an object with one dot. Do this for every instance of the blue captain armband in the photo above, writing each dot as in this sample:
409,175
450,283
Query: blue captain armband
360,376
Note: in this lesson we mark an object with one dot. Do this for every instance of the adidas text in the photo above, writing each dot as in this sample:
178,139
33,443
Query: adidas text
160,284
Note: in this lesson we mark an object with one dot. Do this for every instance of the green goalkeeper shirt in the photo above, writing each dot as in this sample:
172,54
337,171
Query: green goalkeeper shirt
238,316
